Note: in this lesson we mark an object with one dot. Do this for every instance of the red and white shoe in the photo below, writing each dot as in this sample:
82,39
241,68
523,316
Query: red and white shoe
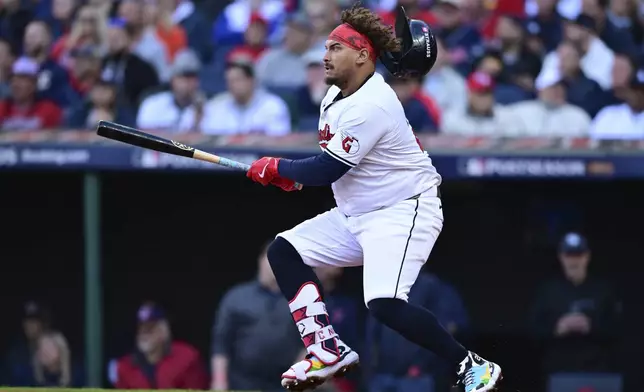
312,372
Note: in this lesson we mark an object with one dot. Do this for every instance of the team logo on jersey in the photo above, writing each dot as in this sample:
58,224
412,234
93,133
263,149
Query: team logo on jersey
350,144
324,135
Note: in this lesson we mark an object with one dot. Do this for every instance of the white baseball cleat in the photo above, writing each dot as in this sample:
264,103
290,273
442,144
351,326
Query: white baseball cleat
311,372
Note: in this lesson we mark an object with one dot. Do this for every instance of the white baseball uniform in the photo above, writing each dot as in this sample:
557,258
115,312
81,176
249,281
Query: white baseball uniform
388,215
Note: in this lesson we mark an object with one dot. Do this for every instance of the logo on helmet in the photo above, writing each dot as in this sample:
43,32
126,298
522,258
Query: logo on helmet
427,42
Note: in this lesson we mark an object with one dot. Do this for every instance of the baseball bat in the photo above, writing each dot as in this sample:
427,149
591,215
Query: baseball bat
138,138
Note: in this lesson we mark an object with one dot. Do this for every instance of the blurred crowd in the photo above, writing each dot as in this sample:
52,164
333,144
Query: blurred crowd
575,318
505,67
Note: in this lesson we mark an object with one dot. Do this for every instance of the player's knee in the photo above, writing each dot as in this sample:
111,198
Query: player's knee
281,252
383,309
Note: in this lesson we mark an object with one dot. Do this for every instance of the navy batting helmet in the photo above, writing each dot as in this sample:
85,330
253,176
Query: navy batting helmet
418,48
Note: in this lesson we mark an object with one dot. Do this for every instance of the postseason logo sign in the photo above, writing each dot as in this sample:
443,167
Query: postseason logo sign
522,167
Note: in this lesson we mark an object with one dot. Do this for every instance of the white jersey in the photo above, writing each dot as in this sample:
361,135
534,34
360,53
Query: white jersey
368,131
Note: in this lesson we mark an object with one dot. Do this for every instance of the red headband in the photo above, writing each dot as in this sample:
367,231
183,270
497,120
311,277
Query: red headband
348,36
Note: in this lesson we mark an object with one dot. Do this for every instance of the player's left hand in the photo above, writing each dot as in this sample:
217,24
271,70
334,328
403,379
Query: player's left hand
264,170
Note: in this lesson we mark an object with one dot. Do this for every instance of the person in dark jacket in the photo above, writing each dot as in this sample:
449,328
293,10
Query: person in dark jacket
576,317
158,362
134,75
581,90
14,18
422,112
101,104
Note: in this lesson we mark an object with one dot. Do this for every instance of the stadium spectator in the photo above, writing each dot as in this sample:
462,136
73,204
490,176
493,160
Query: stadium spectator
623,121
619,39
550,115
87,29
15,15
53,80
144,41
444,84
324,16
283,67
462,40
158,15
181,108
54,365
515,55
196,26
159,361
546,24
7,58
575,317
481,116
625,14
507,87
246,107
247,313
24,110
414,11
18,361
228,29
86,63
597,58
405,367
126,69
580,90
422,112
310,96
60,17
254,42
100,104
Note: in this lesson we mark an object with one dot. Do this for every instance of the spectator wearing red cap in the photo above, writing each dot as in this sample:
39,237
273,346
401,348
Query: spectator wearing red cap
482,116
23,111
159,362
254,41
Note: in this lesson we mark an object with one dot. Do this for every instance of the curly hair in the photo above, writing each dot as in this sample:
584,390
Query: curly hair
371,25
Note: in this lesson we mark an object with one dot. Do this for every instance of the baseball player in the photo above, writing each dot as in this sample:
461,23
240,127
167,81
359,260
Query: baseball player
388,213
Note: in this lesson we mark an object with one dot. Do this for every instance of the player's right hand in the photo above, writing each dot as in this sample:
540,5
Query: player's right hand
264,170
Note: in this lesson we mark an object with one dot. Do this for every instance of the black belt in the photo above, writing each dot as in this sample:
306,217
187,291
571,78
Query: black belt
416,197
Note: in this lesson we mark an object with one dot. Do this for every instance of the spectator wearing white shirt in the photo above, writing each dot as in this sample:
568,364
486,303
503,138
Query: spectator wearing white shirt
481,116
181,108
444,83
624,121
597,58
245,107
550,115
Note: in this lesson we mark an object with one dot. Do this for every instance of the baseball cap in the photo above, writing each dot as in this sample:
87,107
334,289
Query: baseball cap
117,23
480,82
186,63
25,66
150,312
257,18
573,243
314,57
300,20
548,78
33,310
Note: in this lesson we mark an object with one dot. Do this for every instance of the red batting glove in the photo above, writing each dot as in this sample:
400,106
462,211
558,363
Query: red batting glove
284,183
263,170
